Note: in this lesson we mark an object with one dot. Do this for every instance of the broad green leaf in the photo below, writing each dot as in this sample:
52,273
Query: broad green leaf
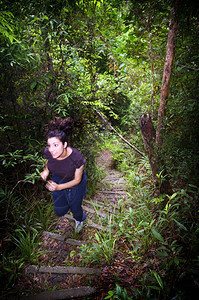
158,278
180,225
33,85
157,235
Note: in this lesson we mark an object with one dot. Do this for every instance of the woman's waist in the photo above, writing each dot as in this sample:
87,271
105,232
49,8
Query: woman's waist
61,179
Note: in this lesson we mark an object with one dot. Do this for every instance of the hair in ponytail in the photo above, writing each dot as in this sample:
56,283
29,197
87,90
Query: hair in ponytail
60,128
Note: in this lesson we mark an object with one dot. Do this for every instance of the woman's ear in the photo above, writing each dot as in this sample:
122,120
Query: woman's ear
65,144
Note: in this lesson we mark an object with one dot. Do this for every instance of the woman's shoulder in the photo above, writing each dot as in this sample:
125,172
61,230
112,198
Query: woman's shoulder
77,156
75,152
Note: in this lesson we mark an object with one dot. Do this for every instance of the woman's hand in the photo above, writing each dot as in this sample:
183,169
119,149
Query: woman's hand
44,174
52,186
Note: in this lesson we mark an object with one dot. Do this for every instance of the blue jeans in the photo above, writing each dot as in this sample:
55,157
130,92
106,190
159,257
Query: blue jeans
70,198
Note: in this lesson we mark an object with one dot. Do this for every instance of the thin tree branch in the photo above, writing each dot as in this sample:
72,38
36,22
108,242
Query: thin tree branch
189,68
113,129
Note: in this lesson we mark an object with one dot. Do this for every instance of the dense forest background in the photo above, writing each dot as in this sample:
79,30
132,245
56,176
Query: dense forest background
102,62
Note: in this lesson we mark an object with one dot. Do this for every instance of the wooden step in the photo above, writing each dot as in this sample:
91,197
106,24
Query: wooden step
117,192
101,206
94,211
97,226
72,293
63,270
88,223
61,237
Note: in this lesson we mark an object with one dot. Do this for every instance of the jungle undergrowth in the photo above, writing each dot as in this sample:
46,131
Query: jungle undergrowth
170,237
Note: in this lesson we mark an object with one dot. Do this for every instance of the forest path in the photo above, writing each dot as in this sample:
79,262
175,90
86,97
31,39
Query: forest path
61,266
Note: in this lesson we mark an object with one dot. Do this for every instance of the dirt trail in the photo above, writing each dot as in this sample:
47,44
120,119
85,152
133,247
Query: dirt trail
60,264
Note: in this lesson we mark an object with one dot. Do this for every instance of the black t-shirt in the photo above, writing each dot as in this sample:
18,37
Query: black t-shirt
65,168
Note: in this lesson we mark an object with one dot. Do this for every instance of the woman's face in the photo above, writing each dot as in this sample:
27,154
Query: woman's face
57,148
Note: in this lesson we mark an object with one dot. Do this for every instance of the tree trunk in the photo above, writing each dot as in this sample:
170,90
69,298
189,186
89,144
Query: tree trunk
170,53
148,135
152,141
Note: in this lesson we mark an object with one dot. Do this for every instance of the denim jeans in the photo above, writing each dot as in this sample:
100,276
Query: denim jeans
70,198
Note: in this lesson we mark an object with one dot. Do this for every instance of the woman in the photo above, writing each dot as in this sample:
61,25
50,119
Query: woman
68,184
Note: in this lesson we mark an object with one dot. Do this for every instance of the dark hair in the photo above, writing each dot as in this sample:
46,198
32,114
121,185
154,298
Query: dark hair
60,128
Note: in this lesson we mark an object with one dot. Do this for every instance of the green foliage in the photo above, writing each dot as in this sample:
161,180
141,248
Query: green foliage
6,26
118,293
67,58
23,221
173,226
26,241
44,215
9,203
11,159
102,247
181,138
12,268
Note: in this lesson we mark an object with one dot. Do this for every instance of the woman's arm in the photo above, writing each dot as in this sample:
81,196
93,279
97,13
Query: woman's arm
52,186
44,174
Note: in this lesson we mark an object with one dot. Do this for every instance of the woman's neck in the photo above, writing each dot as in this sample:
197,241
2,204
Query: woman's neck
66,152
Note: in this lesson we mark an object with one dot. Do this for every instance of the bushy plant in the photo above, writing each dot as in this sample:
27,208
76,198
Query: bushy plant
119,293
26,242
171,230
44,215
11,269
102,247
